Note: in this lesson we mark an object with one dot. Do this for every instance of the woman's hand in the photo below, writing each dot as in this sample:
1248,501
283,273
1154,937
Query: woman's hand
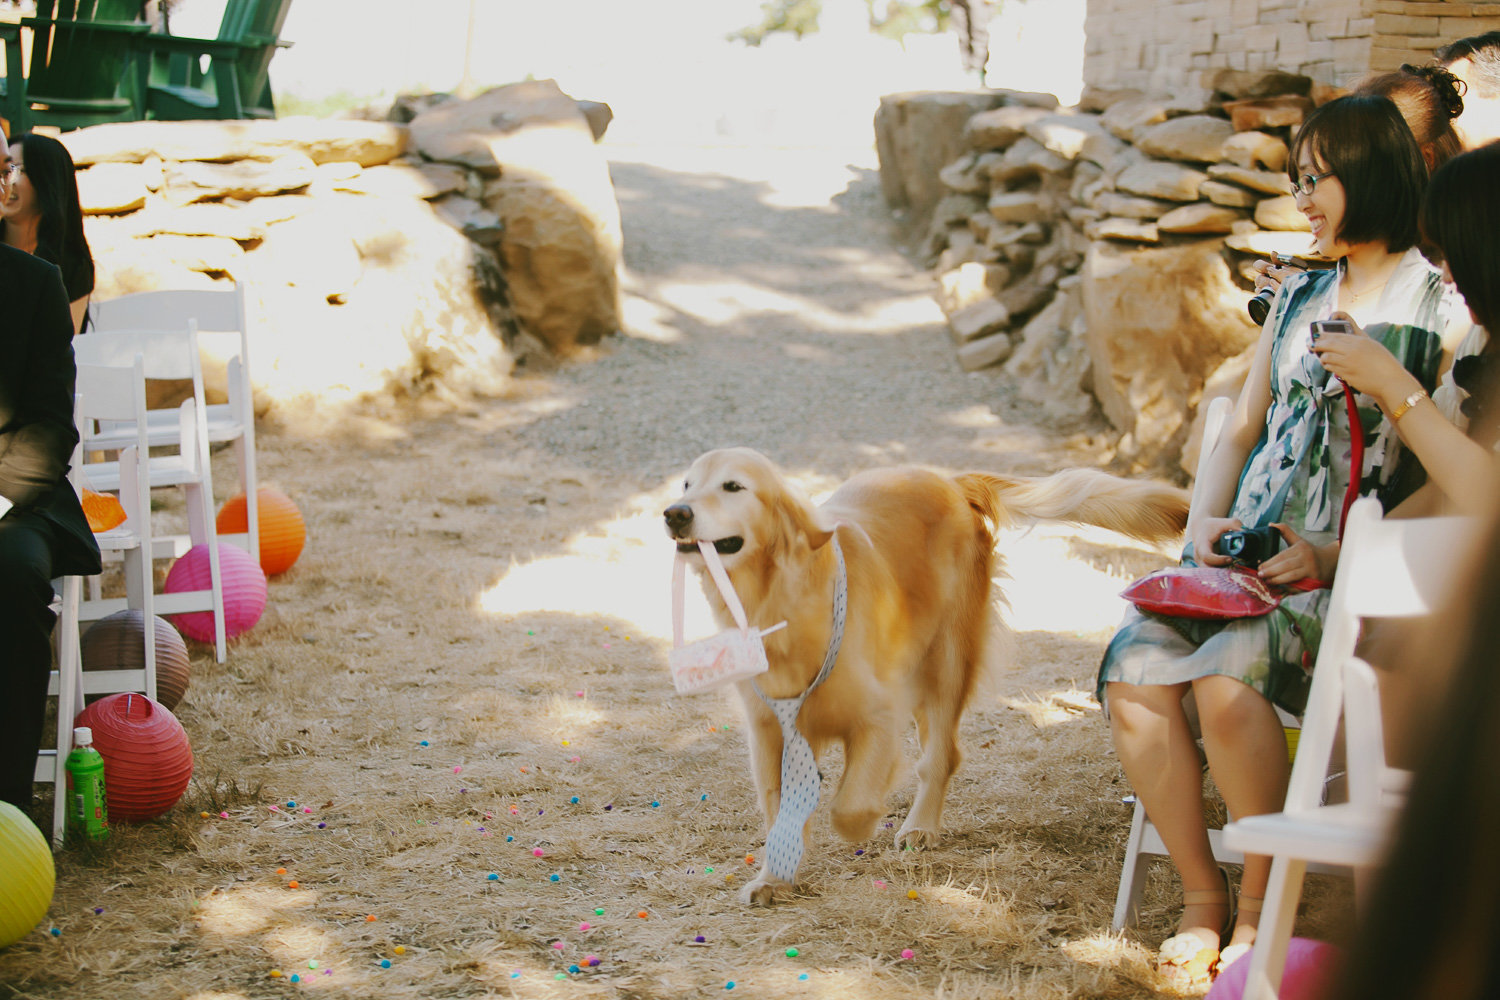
1206,533
1300,560
1365,364
1271,273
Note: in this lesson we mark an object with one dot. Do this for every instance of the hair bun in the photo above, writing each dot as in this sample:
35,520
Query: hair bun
1448,88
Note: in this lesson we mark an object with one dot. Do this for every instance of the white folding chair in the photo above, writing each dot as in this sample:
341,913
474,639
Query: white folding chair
219,317
1390,568
103,393
182,463
115,394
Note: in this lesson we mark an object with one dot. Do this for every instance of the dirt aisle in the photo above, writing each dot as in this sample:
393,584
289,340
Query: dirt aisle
462,682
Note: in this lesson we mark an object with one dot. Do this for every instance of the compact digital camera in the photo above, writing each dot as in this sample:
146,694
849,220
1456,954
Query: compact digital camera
1249,546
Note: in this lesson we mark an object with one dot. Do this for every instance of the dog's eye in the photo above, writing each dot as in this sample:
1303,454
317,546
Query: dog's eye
732,487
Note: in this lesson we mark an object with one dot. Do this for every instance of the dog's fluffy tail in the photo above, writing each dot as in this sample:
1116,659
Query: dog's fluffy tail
1140,508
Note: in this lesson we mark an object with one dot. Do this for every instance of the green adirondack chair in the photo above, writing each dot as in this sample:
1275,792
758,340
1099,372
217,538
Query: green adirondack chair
82,68
236,82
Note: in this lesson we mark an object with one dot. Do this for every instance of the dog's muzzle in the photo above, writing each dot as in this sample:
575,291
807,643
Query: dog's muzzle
679,518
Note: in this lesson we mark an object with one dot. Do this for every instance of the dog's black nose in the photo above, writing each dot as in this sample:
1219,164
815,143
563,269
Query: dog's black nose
678,516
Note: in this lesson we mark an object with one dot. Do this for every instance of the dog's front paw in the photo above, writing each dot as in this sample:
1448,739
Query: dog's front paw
910,835
762,890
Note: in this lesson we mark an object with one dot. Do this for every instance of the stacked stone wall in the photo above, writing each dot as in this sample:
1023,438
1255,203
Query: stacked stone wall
1167,46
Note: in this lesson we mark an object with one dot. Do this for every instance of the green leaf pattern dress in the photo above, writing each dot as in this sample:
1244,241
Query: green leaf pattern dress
1305,441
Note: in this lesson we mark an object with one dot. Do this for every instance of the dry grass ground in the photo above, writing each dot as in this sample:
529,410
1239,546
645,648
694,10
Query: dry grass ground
462,687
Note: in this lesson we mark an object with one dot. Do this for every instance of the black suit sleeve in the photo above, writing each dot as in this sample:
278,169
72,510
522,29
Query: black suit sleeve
35,451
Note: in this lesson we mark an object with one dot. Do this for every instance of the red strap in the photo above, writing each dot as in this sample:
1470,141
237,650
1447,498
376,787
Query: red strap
1356,455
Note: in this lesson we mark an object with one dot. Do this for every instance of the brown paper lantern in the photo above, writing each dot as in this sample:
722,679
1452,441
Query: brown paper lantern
118,643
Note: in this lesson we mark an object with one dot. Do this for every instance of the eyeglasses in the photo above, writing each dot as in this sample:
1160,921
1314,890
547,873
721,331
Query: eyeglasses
9,171
1308,183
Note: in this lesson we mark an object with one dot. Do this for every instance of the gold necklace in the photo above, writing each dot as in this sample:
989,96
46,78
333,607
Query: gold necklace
1376,285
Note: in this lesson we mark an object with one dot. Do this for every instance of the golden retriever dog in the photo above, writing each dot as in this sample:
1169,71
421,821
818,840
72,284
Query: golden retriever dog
918,552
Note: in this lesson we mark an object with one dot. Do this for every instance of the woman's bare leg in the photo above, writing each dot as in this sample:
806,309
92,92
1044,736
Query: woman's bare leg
1246,748
1160,758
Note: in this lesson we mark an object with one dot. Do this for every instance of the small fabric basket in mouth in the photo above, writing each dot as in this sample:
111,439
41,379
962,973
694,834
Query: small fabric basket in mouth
735,654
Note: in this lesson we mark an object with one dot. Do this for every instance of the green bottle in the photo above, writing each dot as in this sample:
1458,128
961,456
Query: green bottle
87,812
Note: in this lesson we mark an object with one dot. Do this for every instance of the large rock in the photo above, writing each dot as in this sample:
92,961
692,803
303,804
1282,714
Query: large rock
1159,321
1268,112
1200,217
917,133
1255,149
1050,362
1195,138
1073,136
242,180
560,246
1264,181
111,189
405,180
998,128
365,143
1281,214
420,316
1162,179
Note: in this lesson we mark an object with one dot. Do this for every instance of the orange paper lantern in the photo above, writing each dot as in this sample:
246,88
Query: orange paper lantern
282,531
102,509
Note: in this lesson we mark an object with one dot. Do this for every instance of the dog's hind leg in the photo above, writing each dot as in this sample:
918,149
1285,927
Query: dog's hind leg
939,709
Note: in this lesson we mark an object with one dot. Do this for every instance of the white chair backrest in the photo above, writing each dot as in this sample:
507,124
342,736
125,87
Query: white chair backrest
168,353
109,391
1388,568
214,311
116,393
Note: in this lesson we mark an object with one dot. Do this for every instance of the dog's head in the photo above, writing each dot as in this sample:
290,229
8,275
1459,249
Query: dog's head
737,499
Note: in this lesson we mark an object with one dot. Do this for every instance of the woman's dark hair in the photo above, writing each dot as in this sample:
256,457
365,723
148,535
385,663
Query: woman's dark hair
1461,220
1429,99
1432,923
59,234
1367,145
1461,217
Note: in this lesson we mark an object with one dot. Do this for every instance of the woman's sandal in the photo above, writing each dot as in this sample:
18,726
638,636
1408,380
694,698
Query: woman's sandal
1227,957
1183,959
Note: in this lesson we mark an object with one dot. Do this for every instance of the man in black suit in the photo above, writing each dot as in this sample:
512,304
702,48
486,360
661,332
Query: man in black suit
43,533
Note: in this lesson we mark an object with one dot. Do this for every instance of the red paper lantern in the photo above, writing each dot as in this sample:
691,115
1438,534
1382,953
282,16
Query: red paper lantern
282,530
117,642
147,760
244,591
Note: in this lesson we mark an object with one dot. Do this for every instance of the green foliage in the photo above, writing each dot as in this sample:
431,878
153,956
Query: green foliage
901,19
799,17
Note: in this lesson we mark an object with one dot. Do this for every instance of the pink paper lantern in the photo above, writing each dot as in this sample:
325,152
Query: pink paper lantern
244,591
1310,968
147,759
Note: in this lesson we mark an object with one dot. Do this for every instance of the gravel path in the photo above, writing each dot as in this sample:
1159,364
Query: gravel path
768,306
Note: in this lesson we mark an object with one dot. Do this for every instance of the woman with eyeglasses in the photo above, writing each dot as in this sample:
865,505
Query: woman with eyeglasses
1283,463
42,215
1453,430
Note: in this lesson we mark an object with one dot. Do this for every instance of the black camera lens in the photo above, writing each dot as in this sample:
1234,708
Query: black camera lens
1259,307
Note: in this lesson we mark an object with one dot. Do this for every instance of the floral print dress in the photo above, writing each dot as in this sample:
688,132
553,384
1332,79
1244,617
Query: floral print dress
1303,456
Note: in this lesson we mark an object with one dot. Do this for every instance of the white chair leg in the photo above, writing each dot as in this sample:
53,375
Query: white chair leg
1268,957
1132,873
69,698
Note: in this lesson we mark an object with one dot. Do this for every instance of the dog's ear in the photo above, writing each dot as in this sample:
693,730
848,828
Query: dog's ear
803,518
